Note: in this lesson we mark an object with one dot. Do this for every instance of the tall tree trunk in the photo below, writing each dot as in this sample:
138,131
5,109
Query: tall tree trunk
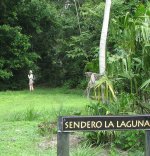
102,48
77,16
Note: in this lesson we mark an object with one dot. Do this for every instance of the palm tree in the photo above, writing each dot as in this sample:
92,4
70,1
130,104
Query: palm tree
102,48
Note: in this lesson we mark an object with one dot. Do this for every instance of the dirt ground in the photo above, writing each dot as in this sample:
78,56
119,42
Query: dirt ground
74,141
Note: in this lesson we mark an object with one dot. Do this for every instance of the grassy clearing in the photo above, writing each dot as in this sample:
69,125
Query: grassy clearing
21,139
17,138
22,111
41,100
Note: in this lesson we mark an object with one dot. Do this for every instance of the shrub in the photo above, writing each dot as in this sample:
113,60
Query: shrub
123,105
130,139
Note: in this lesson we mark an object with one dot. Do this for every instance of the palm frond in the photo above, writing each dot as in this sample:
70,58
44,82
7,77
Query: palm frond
145,84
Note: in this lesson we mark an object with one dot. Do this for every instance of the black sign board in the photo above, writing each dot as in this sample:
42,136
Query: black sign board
93,123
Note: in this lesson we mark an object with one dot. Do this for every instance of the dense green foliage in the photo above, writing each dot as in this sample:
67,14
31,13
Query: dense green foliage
60,42
15,57
38,24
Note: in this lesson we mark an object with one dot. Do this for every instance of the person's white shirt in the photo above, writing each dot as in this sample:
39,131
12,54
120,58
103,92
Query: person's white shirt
30,76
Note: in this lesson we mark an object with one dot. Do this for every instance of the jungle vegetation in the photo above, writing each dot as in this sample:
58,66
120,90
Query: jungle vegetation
59,40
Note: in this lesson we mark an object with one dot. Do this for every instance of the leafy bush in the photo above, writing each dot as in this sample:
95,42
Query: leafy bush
125,104
70,84
130,139
15,57
82,84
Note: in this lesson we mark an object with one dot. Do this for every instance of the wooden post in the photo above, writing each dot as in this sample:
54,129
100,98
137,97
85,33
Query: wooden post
62,141
147,143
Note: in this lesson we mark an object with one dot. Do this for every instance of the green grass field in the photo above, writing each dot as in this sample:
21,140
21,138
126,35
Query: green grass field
40,100
22,111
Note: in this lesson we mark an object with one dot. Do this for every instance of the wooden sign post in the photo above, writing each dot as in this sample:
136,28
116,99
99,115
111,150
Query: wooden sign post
147,143
96,123
62,140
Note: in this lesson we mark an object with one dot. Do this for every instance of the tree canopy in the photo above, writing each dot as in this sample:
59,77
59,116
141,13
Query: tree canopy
60,41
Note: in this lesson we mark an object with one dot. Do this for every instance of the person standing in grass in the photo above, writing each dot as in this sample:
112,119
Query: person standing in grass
31,80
